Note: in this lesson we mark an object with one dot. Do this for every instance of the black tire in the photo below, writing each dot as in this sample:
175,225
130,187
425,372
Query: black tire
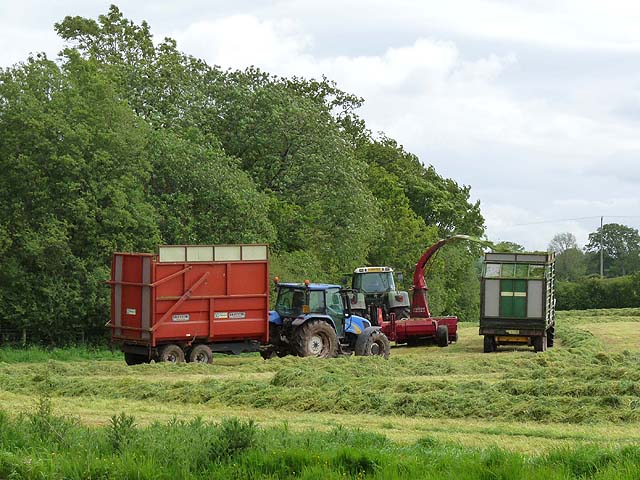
454,339
267,354
315,338
135,358
372,342
551,336
171,353
489,344
402,313
540,344
442,336
201,354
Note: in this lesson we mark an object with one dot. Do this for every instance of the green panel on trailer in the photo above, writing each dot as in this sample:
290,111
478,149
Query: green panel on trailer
513,298
520,298
506,298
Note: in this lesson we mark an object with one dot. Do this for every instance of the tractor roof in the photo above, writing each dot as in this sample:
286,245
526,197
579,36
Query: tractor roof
312,286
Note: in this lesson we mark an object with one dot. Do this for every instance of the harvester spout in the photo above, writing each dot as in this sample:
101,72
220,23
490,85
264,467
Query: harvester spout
419,302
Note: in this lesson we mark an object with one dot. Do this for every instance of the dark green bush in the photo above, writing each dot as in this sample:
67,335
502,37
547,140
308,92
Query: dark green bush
590,293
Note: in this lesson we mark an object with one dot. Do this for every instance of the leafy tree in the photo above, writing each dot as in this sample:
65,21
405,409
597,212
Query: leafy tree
73,161
506,246
562,242
124,143
570,264
621,249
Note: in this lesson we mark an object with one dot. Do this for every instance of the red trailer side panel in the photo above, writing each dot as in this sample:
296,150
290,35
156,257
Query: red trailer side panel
155,302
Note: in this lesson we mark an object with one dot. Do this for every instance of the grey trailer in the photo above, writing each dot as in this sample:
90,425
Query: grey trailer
517,302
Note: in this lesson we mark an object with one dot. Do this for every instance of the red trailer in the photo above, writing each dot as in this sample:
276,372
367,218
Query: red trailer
189,301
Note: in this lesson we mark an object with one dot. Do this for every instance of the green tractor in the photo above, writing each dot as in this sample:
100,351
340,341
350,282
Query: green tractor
374,290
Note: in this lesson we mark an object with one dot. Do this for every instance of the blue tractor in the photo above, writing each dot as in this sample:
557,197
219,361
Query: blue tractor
315,320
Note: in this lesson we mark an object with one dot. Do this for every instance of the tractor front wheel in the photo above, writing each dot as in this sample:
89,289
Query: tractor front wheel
316,338
372,342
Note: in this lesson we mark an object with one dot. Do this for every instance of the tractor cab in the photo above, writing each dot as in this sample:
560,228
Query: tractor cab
374,280
297,300
375,288
315,319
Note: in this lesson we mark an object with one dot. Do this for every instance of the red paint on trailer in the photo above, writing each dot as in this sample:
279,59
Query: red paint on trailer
154,303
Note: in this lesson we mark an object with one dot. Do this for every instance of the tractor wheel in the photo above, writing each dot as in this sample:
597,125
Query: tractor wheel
316,338
442,336
171,353
372,342
489,344
135,358
267,354
551,335
401,313
540,343
201,354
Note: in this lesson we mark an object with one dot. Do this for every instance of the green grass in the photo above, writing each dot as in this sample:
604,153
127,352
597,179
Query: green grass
580,400
34,354
41,444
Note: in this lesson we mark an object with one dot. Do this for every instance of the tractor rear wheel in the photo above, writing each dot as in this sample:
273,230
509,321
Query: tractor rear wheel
372,342
489,344
135,358
201,354
442,336
171,353
315,338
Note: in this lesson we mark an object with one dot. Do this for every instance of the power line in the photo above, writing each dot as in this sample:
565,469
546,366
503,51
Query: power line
561,220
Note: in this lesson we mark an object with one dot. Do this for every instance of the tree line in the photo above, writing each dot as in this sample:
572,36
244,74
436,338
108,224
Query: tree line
121,144
615,248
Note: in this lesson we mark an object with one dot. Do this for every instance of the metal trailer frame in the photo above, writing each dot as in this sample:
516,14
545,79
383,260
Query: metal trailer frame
520,330
160,327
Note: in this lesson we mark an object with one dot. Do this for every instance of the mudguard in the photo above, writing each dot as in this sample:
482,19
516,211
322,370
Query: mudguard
395,303
356,325
315,316
275,318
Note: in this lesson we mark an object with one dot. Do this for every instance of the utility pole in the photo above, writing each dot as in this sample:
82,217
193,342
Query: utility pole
601,248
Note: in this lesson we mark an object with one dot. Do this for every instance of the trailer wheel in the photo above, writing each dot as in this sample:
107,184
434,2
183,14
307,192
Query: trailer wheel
442,336
489,344
134,358
316,338
201,354
551,334
171,353
372,342
540,343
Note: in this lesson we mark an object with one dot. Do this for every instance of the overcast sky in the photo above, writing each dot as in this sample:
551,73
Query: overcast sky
535,104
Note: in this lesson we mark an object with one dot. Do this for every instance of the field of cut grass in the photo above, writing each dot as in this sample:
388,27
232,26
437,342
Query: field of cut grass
581,396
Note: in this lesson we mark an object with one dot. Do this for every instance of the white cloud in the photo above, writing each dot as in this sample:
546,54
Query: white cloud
535,104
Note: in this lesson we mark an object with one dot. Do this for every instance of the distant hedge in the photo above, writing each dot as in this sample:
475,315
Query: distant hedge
619,292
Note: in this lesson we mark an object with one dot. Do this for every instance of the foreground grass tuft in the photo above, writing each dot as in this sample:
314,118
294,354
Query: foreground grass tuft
238,449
